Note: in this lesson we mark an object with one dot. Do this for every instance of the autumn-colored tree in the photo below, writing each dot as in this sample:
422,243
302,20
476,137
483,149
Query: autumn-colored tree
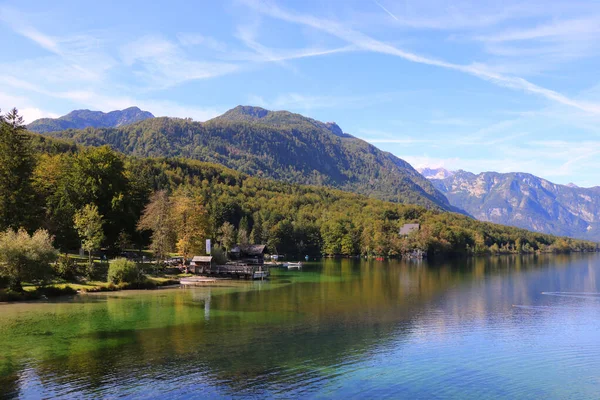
158,218
190,222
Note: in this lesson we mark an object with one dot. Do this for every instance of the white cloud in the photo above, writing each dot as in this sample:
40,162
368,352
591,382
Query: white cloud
98,101
171,109
30,114
25,107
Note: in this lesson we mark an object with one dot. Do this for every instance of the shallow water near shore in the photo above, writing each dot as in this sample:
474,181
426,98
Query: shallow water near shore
500,327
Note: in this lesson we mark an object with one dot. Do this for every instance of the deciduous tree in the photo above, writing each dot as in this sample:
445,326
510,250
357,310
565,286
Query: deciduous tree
157,217
190,221
227,236
88,223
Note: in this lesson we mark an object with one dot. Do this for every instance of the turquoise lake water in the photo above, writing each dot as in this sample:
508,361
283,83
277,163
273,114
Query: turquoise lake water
503,327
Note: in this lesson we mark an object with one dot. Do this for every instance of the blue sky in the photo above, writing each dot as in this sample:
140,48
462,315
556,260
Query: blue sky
502,86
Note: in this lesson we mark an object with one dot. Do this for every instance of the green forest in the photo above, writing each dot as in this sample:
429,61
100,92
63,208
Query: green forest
99,199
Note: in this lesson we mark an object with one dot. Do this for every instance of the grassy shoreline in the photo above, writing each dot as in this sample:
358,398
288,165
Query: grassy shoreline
58,289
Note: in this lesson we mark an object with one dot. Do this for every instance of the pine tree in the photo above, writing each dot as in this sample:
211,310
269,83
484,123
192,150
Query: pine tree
17,207
256,236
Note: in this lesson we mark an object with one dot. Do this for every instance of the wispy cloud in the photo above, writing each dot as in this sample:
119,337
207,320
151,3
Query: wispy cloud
247,34
368,43
197,39
18,23
555,160
546,45
306,102
162,64
453,121
406,140
377,136
588,26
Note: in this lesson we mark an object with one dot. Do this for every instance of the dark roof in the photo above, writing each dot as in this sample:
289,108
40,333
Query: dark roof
251,250
255,249
408,228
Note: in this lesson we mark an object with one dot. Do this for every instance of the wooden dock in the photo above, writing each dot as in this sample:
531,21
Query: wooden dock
241,271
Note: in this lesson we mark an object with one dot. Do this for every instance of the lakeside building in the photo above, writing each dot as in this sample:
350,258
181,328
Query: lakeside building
253,254
201,264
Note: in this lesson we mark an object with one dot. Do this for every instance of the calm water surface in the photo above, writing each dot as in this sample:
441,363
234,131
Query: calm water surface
506,327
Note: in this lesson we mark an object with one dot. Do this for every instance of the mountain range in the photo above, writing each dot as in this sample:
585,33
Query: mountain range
293,148
275,144
435,173
80,119
525,201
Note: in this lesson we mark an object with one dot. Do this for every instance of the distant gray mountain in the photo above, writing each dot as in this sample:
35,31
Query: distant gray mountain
435,173
526,201
80,119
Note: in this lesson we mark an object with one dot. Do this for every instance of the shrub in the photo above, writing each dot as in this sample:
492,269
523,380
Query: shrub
122,270
25,257
66,267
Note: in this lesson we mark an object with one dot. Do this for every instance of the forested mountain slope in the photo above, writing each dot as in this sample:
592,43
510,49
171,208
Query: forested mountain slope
275,144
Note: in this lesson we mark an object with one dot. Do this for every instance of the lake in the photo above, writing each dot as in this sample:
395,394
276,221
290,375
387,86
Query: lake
500,327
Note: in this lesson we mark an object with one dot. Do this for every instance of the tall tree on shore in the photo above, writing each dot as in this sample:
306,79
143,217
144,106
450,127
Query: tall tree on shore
157,217
98,174
17,207
88,223
190,221
227,236
53,186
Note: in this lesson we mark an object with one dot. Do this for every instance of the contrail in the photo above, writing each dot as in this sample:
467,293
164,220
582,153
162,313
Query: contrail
367,43
385,9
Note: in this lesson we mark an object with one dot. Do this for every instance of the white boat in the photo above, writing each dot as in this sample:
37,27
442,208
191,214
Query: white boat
260,275
293,265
